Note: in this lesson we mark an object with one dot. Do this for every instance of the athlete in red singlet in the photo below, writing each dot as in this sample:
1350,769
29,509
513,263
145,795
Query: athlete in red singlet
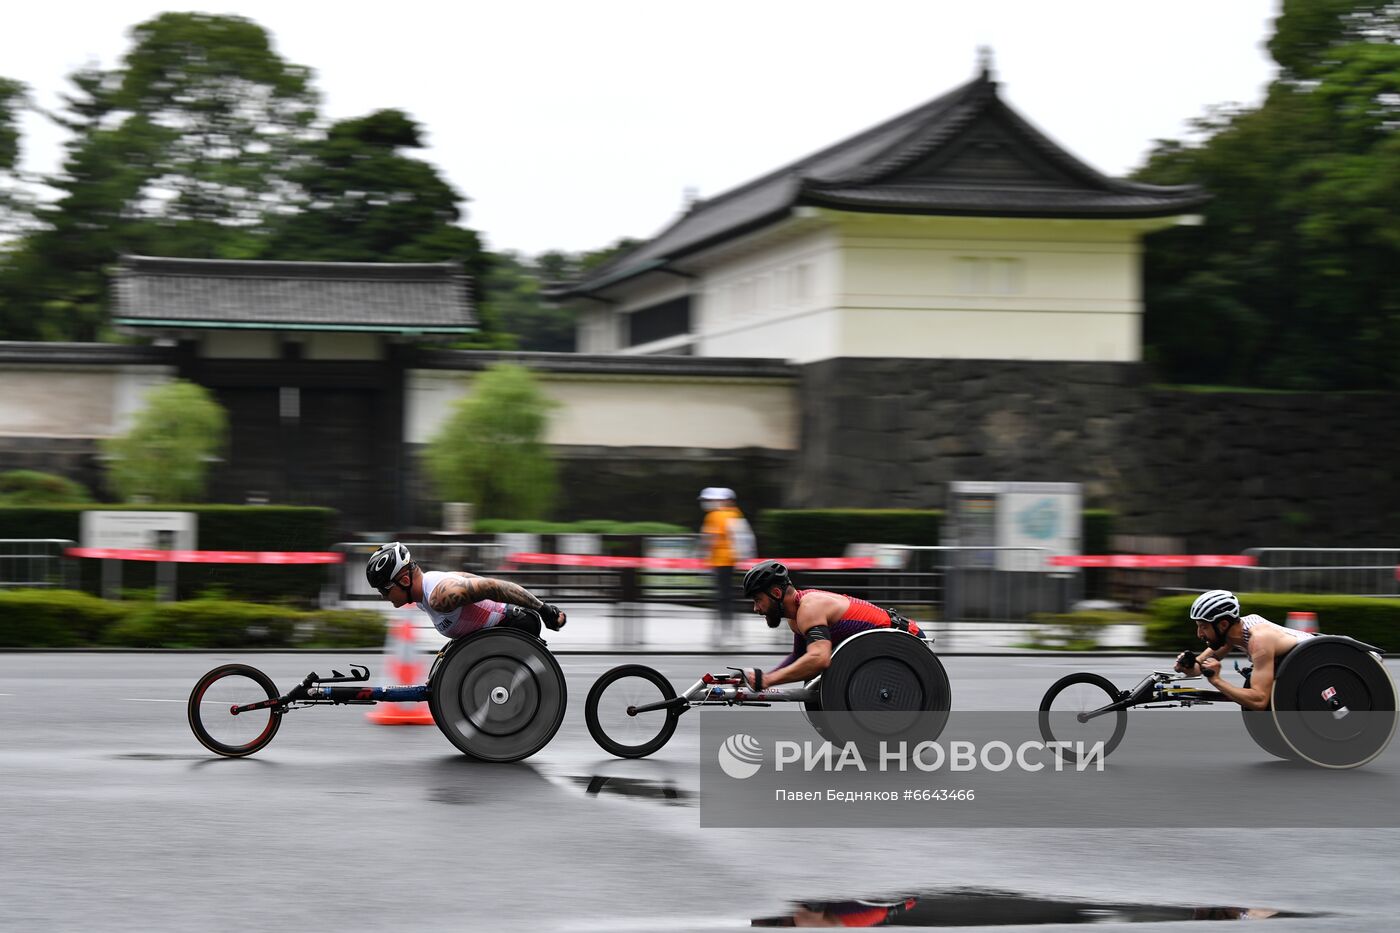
819,620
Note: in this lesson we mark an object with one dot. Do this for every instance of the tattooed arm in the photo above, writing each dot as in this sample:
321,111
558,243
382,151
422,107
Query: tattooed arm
458,589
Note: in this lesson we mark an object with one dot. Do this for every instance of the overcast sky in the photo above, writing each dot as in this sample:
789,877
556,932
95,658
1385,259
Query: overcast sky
570,124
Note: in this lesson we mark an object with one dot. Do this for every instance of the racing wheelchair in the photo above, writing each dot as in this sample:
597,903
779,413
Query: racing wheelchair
497,694
1333,704
632,710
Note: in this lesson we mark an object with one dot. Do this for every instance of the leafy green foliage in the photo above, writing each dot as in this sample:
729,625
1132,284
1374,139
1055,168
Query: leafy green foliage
1373,620
1077,631
66,619
15,204
54,618
1289,282
516,299
594,526
361,199
183,150
224,111
491,449
167,450
31,487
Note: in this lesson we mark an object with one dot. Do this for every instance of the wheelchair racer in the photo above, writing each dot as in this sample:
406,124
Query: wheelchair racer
458,602
1219,624
820,620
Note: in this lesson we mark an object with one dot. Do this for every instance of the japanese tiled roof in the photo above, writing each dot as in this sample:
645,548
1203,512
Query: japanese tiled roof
966,153
162,292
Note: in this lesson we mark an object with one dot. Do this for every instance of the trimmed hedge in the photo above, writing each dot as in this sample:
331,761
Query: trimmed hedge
596,526
1371,619
827,532
55,618
220,528
65,619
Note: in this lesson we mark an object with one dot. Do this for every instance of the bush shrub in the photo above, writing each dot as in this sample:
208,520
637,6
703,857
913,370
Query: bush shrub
31,487
1371,619
599,526
67,619
55,618
1077,631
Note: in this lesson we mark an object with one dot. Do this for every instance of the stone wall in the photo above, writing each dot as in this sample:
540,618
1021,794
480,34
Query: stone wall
1225,470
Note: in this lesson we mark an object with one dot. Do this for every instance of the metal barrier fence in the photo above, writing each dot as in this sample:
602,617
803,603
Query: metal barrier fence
982,584
985,584
1341,571
27,563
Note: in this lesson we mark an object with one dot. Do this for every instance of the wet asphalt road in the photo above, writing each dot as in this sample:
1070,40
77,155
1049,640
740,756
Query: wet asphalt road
113,817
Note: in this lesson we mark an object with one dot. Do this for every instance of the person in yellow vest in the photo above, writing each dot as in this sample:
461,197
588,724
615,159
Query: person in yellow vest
726,539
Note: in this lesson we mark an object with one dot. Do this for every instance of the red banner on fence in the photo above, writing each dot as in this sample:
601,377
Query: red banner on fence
208,557
684,563
1153,561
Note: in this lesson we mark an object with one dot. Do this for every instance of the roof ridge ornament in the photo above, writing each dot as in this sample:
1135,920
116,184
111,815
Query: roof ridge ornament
986,69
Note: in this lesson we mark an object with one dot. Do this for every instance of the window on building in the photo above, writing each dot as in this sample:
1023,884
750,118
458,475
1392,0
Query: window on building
659,321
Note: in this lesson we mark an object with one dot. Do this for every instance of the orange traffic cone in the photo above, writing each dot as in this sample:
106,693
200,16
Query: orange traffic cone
403,666
1302,622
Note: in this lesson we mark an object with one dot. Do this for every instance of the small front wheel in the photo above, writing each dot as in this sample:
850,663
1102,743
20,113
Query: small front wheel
211,706
611,717
1073,697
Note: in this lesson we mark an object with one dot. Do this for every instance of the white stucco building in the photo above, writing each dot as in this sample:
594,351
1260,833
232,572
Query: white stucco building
956,230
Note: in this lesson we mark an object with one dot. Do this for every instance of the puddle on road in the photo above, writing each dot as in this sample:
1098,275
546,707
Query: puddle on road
663,791
970,908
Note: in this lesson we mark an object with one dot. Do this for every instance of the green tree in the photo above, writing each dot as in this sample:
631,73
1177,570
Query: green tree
491,450
15,204
516,294
515,301
228,113
166,453
362,199
183,150
1289,282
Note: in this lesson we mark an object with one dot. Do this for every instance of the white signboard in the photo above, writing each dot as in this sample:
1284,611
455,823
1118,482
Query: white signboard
1043,516
167,531
1044,519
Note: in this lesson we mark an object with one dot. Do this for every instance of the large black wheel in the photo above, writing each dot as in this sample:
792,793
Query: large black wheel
211,716
1073,697
610,711
498,695
1334,702
883,685
1264,731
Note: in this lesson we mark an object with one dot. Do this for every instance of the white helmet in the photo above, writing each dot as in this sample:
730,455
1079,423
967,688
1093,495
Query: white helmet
1215,604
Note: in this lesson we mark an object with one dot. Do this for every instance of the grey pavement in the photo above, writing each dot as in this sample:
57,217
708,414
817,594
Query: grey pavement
113,817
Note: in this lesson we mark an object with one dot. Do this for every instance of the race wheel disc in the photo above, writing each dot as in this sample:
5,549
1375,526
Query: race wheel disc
1334,702
498,695
883,684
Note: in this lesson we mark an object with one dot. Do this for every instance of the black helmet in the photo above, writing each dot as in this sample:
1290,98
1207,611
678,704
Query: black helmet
386,564
764,575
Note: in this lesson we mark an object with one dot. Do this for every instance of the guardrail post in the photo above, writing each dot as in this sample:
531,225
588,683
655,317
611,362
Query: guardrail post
627,631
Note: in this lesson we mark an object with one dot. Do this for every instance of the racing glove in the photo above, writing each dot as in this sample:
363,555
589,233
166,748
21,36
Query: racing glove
553,616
